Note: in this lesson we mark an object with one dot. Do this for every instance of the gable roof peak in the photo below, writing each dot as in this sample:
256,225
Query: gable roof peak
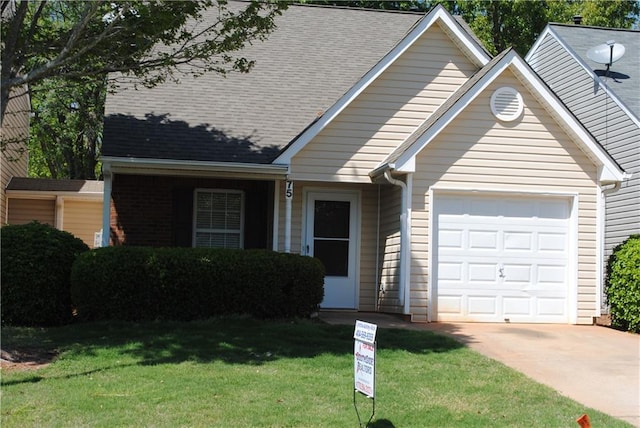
465,41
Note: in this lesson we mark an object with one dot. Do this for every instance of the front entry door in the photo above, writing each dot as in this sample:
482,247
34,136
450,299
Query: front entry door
331,232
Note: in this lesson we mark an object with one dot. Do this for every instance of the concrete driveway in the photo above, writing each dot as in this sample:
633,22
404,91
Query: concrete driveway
596,366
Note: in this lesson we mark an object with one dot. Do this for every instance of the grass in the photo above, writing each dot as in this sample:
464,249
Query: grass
239,372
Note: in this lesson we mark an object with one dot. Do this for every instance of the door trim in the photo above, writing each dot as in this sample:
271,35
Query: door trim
332,193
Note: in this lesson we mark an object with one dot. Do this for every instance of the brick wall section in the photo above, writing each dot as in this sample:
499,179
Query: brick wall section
158,210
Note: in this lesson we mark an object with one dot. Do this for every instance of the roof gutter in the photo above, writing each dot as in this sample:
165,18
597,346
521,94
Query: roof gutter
188,167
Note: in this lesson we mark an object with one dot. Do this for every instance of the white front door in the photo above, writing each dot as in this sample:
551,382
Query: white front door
331,236
502,258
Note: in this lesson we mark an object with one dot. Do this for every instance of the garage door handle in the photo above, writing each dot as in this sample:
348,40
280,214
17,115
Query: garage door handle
501,270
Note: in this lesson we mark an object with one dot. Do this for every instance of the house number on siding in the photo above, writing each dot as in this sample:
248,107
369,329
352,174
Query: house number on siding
289,190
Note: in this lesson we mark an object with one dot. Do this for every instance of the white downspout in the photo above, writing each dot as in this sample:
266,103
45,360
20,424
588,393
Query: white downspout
276,216
600,243
59,213
106,204
405,240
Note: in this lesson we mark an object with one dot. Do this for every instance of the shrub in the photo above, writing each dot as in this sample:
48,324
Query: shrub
36,268
623,284
143,283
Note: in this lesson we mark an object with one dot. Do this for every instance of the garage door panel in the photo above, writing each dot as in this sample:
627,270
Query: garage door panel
550,307
450,305
482,273
482,305
450,238
501,258
552,242
518,241
516,306
484,240
450,272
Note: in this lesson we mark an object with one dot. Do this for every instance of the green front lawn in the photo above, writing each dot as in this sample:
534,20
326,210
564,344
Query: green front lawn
239,372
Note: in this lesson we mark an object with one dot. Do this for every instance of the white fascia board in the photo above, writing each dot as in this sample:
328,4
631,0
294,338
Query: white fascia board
548,31
142,165
609,171
438,13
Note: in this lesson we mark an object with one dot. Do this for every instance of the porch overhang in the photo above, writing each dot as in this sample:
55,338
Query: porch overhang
190,168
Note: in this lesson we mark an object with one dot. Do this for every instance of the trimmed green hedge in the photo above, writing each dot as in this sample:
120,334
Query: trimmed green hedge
623,285
144,283
36,266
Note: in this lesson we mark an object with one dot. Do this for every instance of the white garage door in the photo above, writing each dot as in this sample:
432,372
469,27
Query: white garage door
501,259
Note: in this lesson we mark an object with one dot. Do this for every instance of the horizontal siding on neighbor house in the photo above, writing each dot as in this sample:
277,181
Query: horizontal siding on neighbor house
386,112
489,155
619,134
15,131
82,219
23,211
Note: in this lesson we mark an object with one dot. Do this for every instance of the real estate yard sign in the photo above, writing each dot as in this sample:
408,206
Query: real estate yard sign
364,361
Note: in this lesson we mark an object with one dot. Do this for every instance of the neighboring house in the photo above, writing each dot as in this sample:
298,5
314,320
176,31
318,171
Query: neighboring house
432,180
607,101
15,133
71,205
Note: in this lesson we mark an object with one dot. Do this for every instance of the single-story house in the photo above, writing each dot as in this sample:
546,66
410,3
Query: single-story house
74,206
605,97
431,179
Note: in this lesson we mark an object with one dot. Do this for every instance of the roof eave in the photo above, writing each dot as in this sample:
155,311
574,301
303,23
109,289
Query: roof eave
133,165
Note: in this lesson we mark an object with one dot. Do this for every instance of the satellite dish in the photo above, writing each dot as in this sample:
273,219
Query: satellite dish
606,53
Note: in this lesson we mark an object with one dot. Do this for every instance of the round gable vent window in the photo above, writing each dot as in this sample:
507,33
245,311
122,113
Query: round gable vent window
506,104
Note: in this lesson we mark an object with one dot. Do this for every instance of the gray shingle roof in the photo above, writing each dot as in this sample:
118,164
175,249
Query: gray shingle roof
313,57
625,73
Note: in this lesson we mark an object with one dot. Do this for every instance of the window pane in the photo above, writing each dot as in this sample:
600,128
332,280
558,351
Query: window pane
233,221
218,221
334,255
331,219
234,202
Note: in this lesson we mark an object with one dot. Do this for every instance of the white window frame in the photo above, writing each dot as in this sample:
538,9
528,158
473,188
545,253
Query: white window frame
195,215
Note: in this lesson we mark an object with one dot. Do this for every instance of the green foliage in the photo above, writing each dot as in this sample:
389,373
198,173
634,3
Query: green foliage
36,267
500,24
66,127
623,284
143,283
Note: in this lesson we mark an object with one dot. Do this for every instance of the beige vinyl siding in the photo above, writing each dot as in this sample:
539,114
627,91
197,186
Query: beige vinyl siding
532,154
23,211
82,219
386,112
389,299
15,132
368,232
617,133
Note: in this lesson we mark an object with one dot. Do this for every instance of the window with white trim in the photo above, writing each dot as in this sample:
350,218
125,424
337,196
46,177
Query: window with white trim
219,218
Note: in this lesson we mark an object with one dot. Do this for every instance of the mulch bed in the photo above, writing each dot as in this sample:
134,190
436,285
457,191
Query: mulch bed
26,358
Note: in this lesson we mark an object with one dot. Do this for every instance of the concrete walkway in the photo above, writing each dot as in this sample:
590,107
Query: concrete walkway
596,366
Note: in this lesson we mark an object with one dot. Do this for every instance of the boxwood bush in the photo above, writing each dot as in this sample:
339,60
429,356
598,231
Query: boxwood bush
622,285
36,269
143,283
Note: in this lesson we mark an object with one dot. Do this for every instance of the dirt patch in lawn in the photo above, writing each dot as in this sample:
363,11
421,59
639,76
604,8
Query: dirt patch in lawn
26,358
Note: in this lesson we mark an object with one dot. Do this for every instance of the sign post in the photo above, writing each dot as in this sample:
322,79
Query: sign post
364,364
